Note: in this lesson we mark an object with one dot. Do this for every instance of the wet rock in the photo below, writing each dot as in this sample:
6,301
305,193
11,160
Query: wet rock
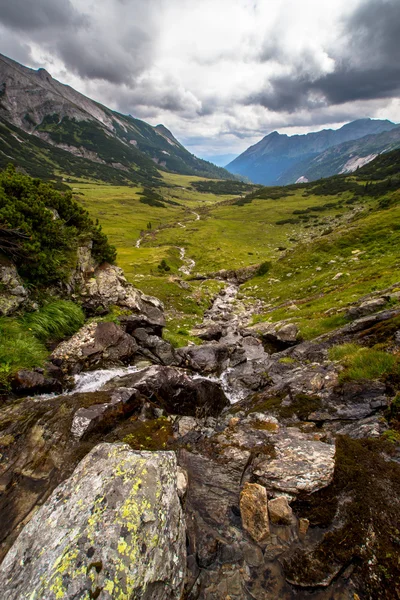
280,511
301,464
207,358
173,390
155,348
122,403
211,509
33,382
254,511
94,346
352,400
114,529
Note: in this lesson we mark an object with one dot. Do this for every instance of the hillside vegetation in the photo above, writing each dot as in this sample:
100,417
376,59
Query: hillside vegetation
324,245
40,229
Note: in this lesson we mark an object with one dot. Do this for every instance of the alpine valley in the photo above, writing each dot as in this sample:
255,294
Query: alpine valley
199,375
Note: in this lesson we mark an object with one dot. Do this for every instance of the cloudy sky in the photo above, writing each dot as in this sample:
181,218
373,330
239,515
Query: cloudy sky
220,74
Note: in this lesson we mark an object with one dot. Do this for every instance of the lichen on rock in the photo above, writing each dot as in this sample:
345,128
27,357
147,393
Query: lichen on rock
113,530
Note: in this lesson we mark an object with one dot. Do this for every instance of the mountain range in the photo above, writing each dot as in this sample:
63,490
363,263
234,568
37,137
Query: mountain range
47,127
279,159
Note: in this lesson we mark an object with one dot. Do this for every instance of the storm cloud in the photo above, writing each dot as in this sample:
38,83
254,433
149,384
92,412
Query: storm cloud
220,74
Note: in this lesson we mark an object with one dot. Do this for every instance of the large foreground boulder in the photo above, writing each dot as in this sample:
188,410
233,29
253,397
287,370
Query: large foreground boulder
113,530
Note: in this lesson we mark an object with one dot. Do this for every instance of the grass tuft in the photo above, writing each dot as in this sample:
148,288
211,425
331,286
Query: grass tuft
55,320
19,349
364,363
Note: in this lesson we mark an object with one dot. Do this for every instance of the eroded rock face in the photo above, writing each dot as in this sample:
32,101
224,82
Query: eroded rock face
94,346
115,529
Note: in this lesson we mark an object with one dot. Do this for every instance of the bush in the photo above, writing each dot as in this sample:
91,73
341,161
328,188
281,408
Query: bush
163,266
44,245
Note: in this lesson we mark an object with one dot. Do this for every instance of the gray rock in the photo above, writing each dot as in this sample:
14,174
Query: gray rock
300,465
282,334
122,403
109,287
366,308
12,293
95,345
115,529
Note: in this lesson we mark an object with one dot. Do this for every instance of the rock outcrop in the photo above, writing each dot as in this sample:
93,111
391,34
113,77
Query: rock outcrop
13,294
96,345
115,529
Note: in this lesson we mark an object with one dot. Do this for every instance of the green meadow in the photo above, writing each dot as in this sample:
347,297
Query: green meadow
320,252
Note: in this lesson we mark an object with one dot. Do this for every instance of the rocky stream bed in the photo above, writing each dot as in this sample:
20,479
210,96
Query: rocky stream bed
241,468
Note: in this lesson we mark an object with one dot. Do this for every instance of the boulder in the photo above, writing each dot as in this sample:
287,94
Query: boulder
95,345
155,348
254,511
114,529
366,308
300,464
173,390
281,335
109,287
34,382
121,404
207,358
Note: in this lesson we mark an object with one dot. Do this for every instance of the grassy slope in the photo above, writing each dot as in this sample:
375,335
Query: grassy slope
305,254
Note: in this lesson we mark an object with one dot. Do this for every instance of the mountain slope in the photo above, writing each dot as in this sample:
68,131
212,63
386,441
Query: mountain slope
274,160
37,104
347,157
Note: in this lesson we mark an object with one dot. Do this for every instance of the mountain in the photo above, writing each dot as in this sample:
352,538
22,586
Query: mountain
33,103
274,159
347,157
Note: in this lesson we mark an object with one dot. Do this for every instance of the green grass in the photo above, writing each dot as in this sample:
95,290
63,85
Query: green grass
22,342
364,363
300,259
55,320
19,349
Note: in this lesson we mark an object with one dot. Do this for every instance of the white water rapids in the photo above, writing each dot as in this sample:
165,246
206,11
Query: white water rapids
93,381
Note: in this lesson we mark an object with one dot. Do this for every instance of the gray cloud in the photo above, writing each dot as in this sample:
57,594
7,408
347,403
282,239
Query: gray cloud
367,64
39,14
